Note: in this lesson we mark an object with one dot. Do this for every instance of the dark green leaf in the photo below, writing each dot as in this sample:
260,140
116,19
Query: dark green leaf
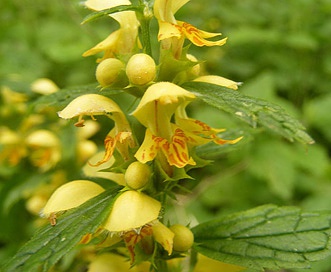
251,110
105,12
64,96
50,243
267,237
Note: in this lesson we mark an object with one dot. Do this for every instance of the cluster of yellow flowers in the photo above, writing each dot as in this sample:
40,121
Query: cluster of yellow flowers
41,146
170,135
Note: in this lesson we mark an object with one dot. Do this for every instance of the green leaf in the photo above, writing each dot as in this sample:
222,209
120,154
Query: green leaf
98,14
267,237
64,96
278,170
50,243
251,110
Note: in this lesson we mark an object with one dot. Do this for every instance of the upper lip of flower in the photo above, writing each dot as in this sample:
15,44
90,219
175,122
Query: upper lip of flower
160,102
132,210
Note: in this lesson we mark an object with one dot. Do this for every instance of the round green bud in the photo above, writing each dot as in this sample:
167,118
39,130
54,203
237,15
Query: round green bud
140,69
108,71
137,175
183,239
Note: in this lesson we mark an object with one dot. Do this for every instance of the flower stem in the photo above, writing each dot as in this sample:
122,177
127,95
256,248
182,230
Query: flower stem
161,265
144,18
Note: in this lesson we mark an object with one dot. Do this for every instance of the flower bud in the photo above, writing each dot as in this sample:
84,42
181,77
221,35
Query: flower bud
183,239
108,71
137,175
141,69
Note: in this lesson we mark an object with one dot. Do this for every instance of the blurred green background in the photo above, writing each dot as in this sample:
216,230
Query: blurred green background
279,49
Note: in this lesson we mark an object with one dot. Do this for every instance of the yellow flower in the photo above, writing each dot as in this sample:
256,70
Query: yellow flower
133,217
45,149
120,137
42,147
13,149
173,32
121,41
154,111
160,102
44,86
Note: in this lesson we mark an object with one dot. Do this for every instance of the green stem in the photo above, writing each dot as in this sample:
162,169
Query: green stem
161,265
145,17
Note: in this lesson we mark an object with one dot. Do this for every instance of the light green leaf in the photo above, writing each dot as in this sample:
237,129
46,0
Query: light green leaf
105,12
251,110
50,243
267,237
274,162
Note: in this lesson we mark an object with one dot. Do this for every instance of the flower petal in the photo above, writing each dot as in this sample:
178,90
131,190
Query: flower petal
197,37
132,209
131,238
105,4
123,17
163,235
108,45
221,141
168,30
89,104
177,4
149,148
218,80
71,195
167,94
176,151
196,127
110,144
164,10
199,133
